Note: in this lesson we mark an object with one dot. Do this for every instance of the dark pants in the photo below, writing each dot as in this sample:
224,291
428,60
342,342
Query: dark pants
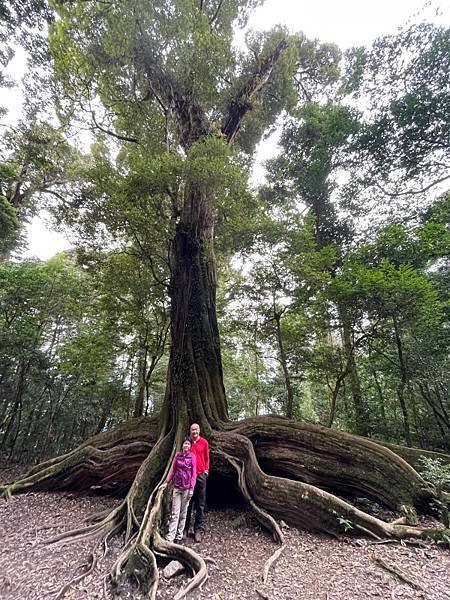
198,501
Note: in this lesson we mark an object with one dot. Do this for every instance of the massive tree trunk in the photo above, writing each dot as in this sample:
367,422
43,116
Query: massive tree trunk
195,390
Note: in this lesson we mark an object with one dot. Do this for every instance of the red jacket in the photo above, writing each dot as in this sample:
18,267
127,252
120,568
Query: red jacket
201,450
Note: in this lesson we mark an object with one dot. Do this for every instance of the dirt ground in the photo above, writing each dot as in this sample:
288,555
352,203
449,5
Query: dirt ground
312,566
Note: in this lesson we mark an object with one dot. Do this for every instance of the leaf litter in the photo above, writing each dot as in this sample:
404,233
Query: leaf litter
312,566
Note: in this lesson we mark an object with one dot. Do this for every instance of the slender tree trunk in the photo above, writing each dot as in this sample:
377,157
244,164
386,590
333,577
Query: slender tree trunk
438,388
379,392
130,387
440,418
106,412
26,432
416,417
3,373
18,424
145,372
54,411
142,372
4,412
359,407
289,405
36,409
401,387
16,408
334,396
256,403
432,399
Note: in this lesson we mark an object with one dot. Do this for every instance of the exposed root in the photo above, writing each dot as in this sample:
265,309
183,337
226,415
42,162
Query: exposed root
305,505
103,529
263,517
90,566
139,556
188,557
270,562
138,514
109,460
400,521
367,532
335,461
417,543
85,467
281,467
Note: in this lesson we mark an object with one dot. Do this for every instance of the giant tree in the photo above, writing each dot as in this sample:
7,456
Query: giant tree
170,80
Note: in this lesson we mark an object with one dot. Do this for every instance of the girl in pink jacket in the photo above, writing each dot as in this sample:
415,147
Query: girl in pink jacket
182,474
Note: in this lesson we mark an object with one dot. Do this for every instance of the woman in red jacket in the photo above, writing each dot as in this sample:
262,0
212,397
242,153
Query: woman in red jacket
183,474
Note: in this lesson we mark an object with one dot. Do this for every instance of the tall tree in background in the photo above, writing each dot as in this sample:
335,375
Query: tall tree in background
314,144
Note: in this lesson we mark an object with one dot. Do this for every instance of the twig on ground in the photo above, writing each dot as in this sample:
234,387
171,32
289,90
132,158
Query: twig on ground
419,543
400,521
394,570
367,532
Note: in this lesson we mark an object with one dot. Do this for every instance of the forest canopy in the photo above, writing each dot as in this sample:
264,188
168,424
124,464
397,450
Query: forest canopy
310,310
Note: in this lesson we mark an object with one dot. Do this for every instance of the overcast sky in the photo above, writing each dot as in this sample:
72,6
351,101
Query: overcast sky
345,22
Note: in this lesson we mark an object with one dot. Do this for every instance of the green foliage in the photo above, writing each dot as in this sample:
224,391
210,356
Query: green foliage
312,143
37,165
435,471
9,225
345,327
404,141
345,523
20,23
68,337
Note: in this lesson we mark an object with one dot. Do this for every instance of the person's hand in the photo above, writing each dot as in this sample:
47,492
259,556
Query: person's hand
206,473
163,485
191,493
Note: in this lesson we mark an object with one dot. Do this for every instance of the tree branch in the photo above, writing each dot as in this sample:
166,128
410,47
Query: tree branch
216,13
124,138
189,115
247,95
412,191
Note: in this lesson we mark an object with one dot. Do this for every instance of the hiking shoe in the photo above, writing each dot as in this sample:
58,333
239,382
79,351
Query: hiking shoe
198,536
178,540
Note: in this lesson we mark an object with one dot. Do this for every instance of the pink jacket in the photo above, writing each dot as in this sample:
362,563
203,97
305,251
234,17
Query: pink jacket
183,472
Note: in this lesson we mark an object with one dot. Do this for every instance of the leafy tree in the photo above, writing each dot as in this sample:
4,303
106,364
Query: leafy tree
37,165
403,140
20,23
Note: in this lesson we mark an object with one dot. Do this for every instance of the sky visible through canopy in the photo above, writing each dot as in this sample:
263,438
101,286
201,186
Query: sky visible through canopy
344,22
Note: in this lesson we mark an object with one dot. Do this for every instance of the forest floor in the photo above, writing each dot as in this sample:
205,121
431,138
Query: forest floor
312,566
